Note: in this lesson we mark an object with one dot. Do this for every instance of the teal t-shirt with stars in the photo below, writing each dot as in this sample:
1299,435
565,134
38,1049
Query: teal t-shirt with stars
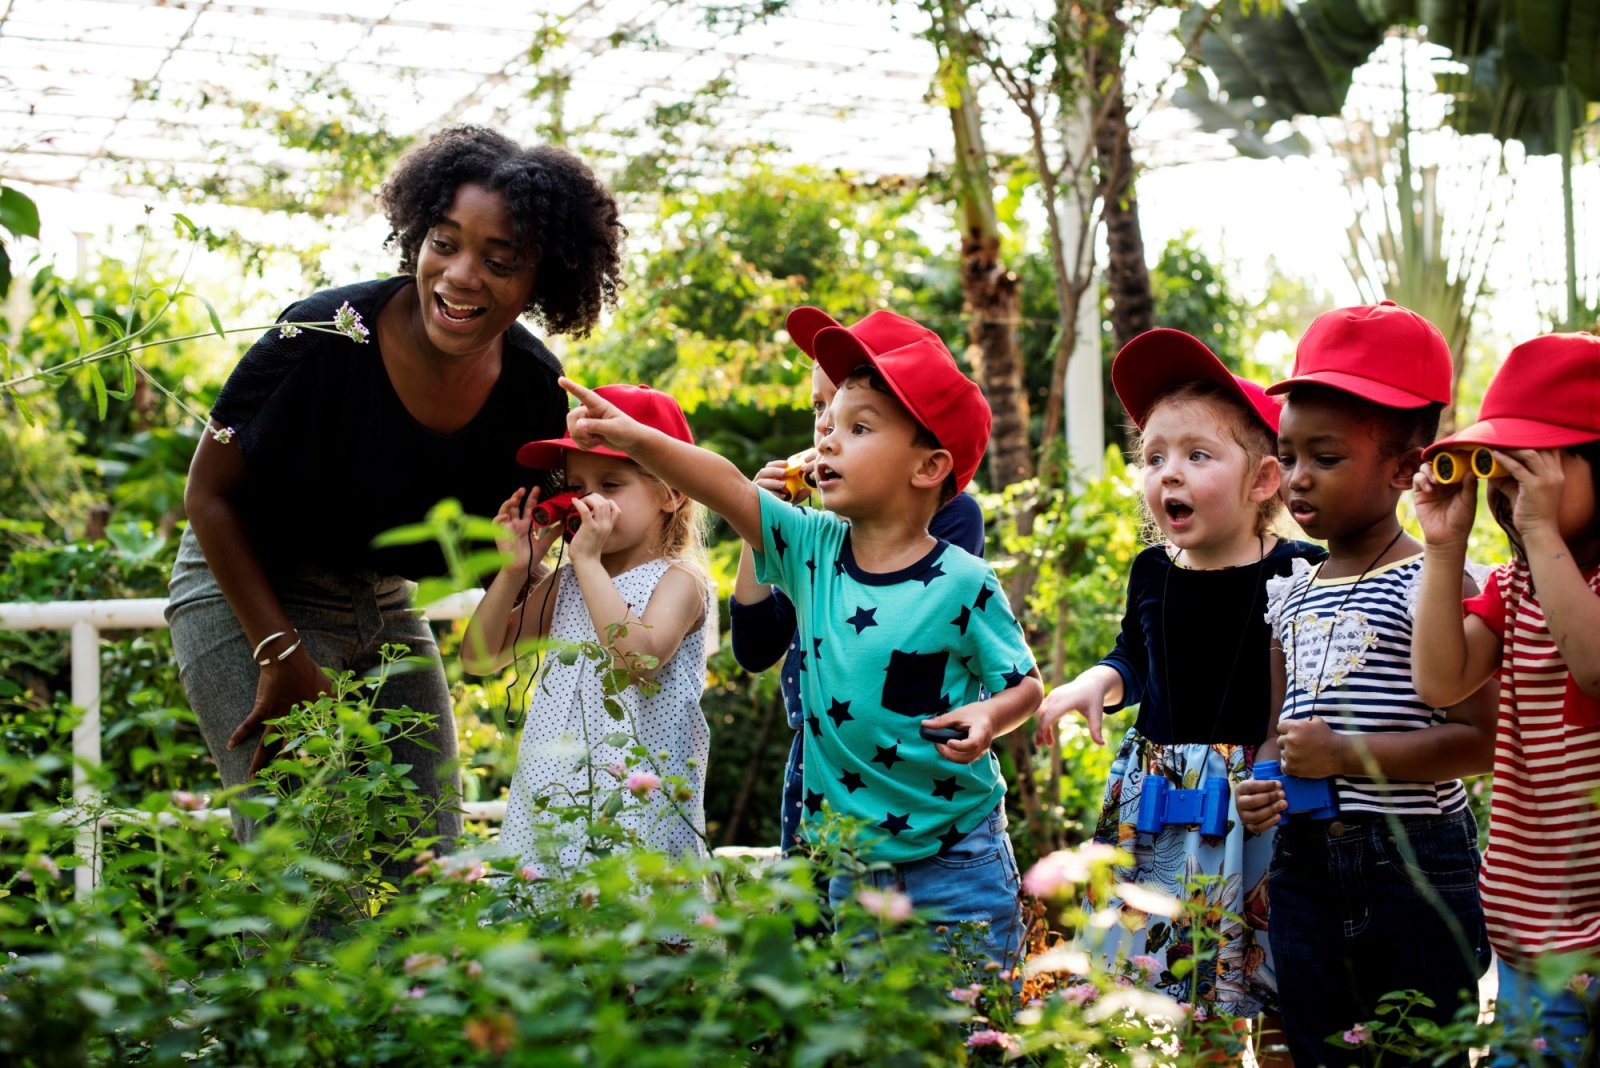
883,652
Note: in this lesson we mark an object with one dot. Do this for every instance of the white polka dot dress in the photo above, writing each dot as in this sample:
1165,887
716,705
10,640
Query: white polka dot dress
563,747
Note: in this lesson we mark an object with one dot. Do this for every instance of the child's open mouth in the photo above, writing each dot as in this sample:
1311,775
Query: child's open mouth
457,313
826,476
1301,510
1179,515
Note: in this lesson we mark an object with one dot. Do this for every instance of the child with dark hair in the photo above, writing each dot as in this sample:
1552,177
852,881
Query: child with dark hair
1382,896
1535,628
1192,654
761,620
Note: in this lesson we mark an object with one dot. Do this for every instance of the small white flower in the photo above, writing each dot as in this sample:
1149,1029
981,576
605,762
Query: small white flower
288,330
222,434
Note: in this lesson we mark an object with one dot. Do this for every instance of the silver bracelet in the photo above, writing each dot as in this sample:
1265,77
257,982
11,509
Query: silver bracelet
289,651
256,656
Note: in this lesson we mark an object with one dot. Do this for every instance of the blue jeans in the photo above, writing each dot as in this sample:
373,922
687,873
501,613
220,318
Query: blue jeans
1354,917
973,882
1564,1021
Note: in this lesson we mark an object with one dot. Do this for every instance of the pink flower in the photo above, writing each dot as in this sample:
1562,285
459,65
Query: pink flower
967,995
466,872
1357,1035
421,962
417,992
1580,983
618,769
891,906
1147,967
707,919
1539,1045
640,783
1066,868
188,802
1006,1042
474,970
1200,1014
529,874
1080,993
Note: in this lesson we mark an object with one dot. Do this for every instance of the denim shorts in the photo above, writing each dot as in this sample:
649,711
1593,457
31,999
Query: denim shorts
1560,1018
974,882
1364,905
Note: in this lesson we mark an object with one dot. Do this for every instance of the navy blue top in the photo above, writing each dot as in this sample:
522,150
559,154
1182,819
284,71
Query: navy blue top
1220,679
762,632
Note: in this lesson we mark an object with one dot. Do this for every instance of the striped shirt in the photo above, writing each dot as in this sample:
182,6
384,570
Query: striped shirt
1541,874
1347,650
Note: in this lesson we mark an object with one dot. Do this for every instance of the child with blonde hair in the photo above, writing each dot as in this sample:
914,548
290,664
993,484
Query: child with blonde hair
637,559
1192,655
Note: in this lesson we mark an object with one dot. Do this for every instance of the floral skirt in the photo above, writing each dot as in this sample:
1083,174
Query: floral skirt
1222,881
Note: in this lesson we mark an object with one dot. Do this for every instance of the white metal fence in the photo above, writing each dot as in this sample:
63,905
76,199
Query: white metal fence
86,619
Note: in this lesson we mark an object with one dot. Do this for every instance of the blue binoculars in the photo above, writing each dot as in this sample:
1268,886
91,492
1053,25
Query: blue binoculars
1161,804
1314,797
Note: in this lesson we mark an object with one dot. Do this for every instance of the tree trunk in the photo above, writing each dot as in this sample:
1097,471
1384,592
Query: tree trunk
988,289
1127,278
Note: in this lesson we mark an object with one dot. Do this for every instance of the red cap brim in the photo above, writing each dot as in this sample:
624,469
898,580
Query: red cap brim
1365,388
838,352
550,455
1156,360
1511,432
804,324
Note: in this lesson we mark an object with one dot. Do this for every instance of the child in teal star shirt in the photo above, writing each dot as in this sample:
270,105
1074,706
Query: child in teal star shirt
902,629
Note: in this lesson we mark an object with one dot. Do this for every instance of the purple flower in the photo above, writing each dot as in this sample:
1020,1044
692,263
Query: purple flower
222,434
1356,1036
289,330
1080,993
1539,1045
347,321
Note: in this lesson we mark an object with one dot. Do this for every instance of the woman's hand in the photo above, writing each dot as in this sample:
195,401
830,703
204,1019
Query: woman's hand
599,515
1260,803
516,519
282,685
1310,749
1445,511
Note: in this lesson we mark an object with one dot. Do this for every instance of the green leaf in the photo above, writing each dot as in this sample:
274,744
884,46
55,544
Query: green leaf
78,325
615,708
126,391
411,534
18,212
98,381
113,325
617,740
143,757
185,224
216,320
788,997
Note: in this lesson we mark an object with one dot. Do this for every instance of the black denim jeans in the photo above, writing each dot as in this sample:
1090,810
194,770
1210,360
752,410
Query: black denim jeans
1364,905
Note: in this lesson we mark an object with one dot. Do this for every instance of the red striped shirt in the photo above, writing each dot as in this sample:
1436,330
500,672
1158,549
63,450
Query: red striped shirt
1541,875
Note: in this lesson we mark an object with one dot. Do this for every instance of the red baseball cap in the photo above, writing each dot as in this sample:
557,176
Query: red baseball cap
1546,395
649,406
882,331
916,366
1382,353
1156,360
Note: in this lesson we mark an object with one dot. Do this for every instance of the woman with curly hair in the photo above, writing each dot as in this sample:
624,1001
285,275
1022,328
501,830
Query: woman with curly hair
320,441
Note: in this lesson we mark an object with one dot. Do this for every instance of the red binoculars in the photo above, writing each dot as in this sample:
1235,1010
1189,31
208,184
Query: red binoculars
558,509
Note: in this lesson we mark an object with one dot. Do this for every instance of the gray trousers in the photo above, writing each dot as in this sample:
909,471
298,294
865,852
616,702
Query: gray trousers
345,619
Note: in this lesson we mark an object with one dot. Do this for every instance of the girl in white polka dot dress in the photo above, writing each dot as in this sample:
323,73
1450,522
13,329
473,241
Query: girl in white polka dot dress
637,558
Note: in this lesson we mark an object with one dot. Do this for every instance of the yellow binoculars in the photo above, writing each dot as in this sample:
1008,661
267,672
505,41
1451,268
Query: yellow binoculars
797,481
1451,465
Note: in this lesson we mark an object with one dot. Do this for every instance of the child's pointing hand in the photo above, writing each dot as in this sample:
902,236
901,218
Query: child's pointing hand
596,421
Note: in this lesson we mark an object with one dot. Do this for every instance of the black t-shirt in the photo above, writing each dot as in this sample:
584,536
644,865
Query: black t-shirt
334,458
1190,689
